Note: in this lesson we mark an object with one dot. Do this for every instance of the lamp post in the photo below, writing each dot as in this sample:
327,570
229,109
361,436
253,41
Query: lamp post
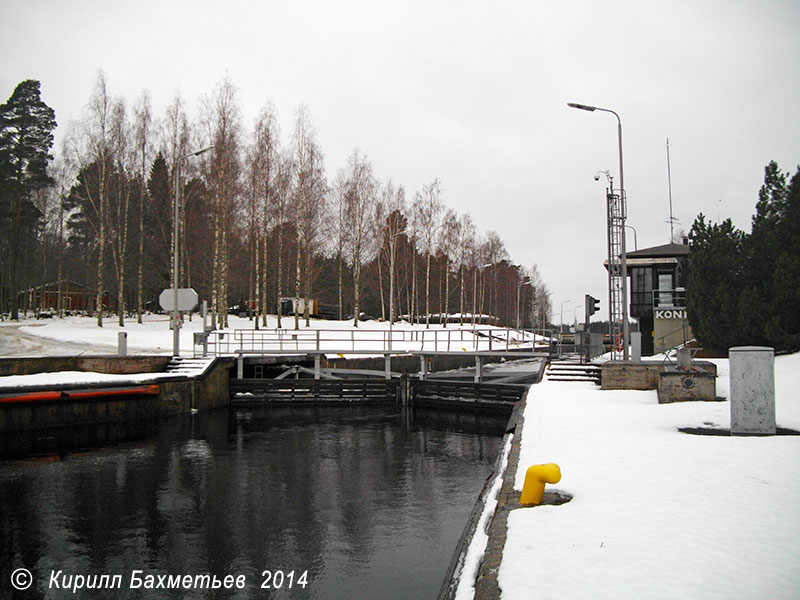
635,243
525,281
623,263
392,242
176,343
475,290
563,302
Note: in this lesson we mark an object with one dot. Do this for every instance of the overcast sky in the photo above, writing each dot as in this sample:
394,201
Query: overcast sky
473,93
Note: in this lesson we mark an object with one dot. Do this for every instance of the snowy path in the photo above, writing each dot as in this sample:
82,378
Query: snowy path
14,342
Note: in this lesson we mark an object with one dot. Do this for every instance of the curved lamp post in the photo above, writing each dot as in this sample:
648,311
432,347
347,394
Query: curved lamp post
623,263
176,343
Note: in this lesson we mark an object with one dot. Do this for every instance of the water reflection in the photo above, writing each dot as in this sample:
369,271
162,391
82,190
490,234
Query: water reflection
370,501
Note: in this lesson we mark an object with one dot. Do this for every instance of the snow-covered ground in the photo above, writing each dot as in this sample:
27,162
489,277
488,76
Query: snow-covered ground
656,513
81,334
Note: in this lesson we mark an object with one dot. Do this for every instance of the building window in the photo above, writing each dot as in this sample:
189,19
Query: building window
664,298
642,291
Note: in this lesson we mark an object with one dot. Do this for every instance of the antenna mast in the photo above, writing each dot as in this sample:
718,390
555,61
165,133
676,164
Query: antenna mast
669,184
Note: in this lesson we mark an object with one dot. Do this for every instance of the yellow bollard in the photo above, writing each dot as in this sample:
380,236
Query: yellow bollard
535,478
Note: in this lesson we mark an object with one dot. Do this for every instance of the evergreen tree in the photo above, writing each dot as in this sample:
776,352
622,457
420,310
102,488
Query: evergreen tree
158,223
745,289
714,281
26,136
782,326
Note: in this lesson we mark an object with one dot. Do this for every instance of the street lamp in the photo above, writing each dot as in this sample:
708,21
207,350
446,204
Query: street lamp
623,263
475,289
563,302
176,344
392,241
524,281
635,243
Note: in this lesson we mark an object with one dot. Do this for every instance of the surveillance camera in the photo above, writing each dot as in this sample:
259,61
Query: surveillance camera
597,176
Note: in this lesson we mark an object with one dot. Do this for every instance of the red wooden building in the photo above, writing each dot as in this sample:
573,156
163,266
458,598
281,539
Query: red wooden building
75,297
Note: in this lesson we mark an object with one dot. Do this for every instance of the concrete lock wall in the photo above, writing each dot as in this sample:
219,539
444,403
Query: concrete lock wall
177,395
118,365
752,389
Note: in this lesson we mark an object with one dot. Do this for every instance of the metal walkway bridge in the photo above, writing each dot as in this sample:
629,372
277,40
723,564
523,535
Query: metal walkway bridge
350,343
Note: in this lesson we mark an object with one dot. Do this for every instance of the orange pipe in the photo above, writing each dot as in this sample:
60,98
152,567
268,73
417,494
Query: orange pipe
147,390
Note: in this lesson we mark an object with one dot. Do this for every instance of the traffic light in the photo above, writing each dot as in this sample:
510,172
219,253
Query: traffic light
592,305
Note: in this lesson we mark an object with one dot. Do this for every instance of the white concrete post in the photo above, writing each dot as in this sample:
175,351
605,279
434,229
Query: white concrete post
122,343
752,390
636,346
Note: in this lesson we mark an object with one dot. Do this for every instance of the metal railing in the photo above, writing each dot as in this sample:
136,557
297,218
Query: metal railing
669,298
660,342
369,341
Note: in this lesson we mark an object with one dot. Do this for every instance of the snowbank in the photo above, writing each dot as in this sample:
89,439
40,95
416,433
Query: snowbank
656,513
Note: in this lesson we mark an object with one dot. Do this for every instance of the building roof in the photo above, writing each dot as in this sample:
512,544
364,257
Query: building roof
665,251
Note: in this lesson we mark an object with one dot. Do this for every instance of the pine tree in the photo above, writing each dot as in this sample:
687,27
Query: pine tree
714,282
745,289
26,136
782,327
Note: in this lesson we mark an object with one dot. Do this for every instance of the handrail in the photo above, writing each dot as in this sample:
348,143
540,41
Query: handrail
276,341
669,298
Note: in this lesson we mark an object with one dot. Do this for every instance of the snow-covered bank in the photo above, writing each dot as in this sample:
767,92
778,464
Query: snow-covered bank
656,513
154,336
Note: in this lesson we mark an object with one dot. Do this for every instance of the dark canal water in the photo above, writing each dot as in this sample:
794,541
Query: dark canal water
356,502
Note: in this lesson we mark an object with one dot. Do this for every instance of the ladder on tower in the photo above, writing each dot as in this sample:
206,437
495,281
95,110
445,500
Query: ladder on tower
616,230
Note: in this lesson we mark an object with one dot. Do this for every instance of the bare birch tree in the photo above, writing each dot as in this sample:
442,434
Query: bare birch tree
449,236
142,131
282,196
123,156
223,127
339,193
362,189
494,252
394,224
264,163
464,254
427,208
89,147
309,191
176,141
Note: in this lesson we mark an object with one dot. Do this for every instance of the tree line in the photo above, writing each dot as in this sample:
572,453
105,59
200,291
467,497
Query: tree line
258,219
744,289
